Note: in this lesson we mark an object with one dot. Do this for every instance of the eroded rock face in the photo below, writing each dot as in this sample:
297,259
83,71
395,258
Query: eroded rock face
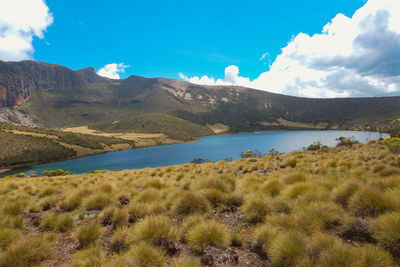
18,80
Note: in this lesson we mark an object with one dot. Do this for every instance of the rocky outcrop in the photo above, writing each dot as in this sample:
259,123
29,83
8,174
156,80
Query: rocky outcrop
18,80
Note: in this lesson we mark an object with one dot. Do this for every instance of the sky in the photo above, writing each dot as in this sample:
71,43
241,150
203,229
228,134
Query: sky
311,48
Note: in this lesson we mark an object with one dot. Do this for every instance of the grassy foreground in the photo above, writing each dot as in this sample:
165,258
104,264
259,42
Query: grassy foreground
329,207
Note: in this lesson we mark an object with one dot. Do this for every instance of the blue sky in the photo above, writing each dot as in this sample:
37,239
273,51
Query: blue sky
162,38
312,48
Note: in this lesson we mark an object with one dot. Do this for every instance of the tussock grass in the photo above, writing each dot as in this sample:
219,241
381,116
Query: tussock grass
155,230
208,233
334,207
27,251
7,237
145,255
368,201
286,249
88,235
386,229
97,202
255,208
114,216
190,203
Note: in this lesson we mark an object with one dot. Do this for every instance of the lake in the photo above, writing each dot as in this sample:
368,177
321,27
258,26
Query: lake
213,147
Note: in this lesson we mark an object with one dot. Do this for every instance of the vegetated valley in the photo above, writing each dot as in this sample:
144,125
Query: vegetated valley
322,206
97,114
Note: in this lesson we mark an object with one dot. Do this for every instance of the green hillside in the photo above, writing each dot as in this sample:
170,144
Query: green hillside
157,123
59,97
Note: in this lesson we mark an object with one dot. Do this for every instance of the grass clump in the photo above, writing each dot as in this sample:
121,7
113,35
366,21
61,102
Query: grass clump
92,256
255,208
57,222
145,255
97,202
386,229
190,203
114,216
31,250
156,230
368,201
88,235
7,237
208,233
286,249
186,261
119,241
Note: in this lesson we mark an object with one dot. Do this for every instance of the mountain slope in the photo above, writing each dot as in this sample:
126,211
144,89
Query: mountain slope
56,97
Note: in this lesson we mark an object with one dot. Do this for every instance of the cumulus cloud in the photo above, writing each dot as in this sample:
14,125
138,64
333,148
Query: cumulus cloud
352,56
20,21
112,70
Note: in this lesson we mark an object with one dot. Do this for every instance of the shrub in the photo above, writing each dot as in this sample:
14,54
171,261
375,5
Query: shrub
27,251
255,208
156,230
386,229
369,201
190,203
7,237
348,142
208,233
58,172
287,248
316,146
88,234
145,255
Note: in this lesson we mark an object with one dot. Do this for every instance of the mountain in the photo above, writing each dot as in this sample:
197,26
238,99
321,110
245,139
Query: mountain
54,96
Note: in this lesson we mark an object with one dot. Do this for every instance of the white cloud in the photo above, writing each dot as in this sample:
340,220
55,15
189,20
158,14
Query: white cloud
112,70
20,21
352,56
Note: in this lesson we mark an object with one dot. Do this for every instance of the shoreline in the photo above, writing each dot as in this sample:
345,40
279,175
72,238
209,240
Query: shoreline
5,170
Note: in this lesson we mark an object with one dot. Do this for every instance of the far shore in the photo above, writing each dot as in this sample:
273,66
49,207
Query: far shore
4,170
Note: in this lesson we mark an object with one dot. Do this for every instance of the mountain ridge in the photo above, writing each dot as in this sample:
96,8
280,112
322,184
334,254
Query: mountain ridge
55,96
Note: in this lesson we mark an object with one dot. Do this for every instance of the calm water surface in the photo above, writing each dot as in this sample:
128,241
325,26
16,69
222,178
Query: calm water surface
213,147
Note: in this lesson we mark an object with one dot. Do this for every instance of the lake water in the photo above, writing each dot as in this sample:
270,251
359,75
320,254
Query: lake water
213,147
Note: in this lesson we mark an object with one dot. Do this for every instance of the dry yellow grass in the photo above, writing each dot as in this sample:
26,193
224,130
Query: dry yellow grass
311,214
